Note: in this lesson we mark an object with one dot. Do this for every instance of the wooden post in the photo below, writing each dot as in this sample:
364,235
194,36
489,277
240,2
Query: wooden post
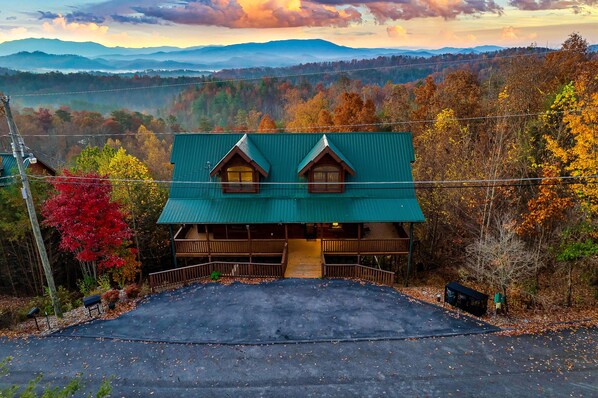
410,253
250,243
208,240
358,243
286,233
172,247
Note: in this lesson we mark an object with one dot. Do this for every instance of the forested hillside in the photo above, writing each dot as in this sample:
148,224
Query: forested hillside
521,128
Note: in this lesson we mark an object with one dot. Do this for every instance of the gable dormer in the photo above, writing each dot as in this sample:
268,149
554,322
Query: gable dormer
241,168
325,167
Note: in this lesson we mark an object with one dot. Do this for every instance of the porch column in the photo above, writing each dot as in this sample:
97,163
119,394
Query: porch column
286,233
410,253
172,247
250,243
358,243
208,240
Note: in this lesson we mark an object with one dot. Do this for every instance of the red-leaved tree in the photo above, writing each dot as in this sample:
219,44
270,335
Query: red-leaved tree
91,226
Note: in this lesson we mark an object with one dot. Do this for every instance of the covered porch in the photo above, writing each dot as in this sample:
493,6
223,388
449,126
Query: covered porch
268,240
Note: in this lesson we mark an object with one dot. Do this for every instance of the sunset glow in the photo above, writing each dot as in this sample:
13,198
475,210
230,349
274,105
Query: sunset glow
412,23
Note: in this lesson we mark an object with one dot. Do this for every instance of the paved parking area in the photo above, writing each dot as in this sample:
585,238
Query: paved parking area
283,311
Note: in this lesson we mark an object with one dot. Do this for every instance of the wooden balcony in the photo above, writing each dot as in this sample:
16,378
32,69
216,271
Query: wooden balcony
365,246
228,247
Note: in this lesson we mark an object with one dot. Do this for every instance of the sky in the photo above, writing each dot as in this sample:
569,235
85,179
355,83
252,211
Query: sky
368,23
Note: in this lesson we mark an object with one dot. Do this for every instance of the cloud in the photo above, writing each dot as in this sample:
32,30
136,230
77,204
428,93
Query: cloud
409,9
61,23
251,14
77,16
396,32
509,33
286,13
535,5
135,19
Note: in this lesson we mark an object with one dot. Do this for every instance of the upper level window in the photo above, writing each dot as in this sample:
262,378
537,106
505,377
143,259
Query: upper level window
241,179
327,178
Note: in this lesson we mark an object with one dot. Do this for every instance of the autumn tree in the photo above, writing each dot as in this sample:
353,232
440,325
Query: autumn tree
267,125
304,116
141,198
444,154
92,227
500,259
353,114
577,149
397,107
155,153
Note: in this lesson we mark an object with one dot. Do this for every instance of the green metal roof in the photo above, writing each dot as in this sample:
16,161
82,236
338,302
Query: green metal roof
376,158
320,147
250,151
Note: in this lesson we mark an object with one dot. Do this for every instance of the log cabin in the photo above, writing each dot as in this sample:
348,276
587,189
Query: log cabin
286,205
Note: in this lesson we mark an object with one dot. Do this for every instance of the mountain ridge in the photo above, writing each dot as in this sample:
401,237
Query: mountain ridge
47,54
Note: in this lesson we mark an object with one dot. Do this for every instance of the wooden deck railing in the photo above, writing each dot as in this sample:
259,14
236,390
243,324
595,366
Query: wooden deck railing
359,272
196,247
365,246
196,272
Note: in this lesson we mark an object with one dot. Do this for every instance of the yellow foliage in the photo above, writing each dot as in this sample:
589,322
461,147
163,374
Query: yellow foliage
579,158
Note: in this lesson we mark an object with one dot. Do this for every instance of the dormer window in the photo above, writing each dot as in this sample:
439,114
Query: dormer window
240,179
325,167
326,178
241,168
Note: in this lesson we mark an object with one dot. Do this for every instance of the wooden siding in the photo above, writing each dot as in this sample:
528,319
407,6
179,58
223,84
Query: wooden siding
359,272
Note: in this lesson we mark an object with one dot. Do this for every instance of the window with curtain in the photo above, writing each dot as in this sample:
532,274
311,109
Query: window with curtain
327,178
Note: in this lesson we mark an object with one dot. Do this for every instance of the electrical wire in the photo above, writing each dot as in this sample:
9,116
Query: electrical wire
322,128
410,184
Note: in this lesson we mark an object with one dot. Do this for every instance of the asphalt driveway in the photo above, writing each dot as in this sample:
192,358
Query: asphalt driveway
283,311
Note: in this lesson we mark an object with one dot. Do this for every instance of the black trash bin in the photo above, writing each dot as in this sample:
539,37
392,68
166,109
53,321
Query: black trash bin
467,299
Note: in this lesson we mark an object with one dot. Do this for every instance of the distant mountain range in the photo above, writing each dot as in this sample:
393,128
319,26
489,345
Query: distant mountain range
42,55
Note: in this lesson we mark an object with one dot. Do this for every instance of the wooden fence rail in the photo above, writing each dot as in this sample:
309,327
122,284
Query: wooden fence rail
359,272
196,272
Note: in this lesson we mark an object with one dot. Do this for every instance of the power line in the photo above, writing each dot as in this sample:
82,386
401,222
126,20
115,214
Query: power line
121,89
323,128
92,180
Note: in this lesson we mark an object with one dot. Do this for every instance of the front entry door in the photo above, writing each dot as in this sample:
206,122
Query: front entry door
311,231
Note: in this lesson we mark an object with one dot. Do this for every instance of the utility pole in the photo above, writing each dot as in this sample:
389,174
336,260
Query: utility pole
18,150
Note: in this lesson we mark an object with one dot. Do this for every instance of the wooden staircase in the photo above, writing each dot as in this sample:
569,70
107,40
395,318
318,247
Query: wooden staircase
304,259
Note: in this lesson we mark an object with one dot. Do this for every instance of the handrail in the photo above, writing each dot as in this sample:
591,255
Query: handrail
358,271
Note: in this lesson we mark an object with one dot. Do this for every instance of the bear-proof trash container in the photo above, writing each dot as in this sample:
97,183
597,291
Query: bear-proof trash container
467,299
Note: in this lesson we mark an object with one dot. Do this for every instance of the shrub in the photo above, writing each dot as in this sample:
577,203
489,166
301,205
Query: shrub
132,291
104,283
145,289
111,296
87,285
215,275
68,300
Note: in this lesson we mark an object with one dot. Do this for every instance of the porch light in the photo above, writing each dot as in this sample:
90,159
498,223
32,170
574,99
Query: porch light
336,225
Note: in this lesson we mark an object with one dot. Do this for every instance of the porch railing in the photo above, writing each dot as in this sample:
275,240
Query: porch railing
195,247
365,246
197,272
359,272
